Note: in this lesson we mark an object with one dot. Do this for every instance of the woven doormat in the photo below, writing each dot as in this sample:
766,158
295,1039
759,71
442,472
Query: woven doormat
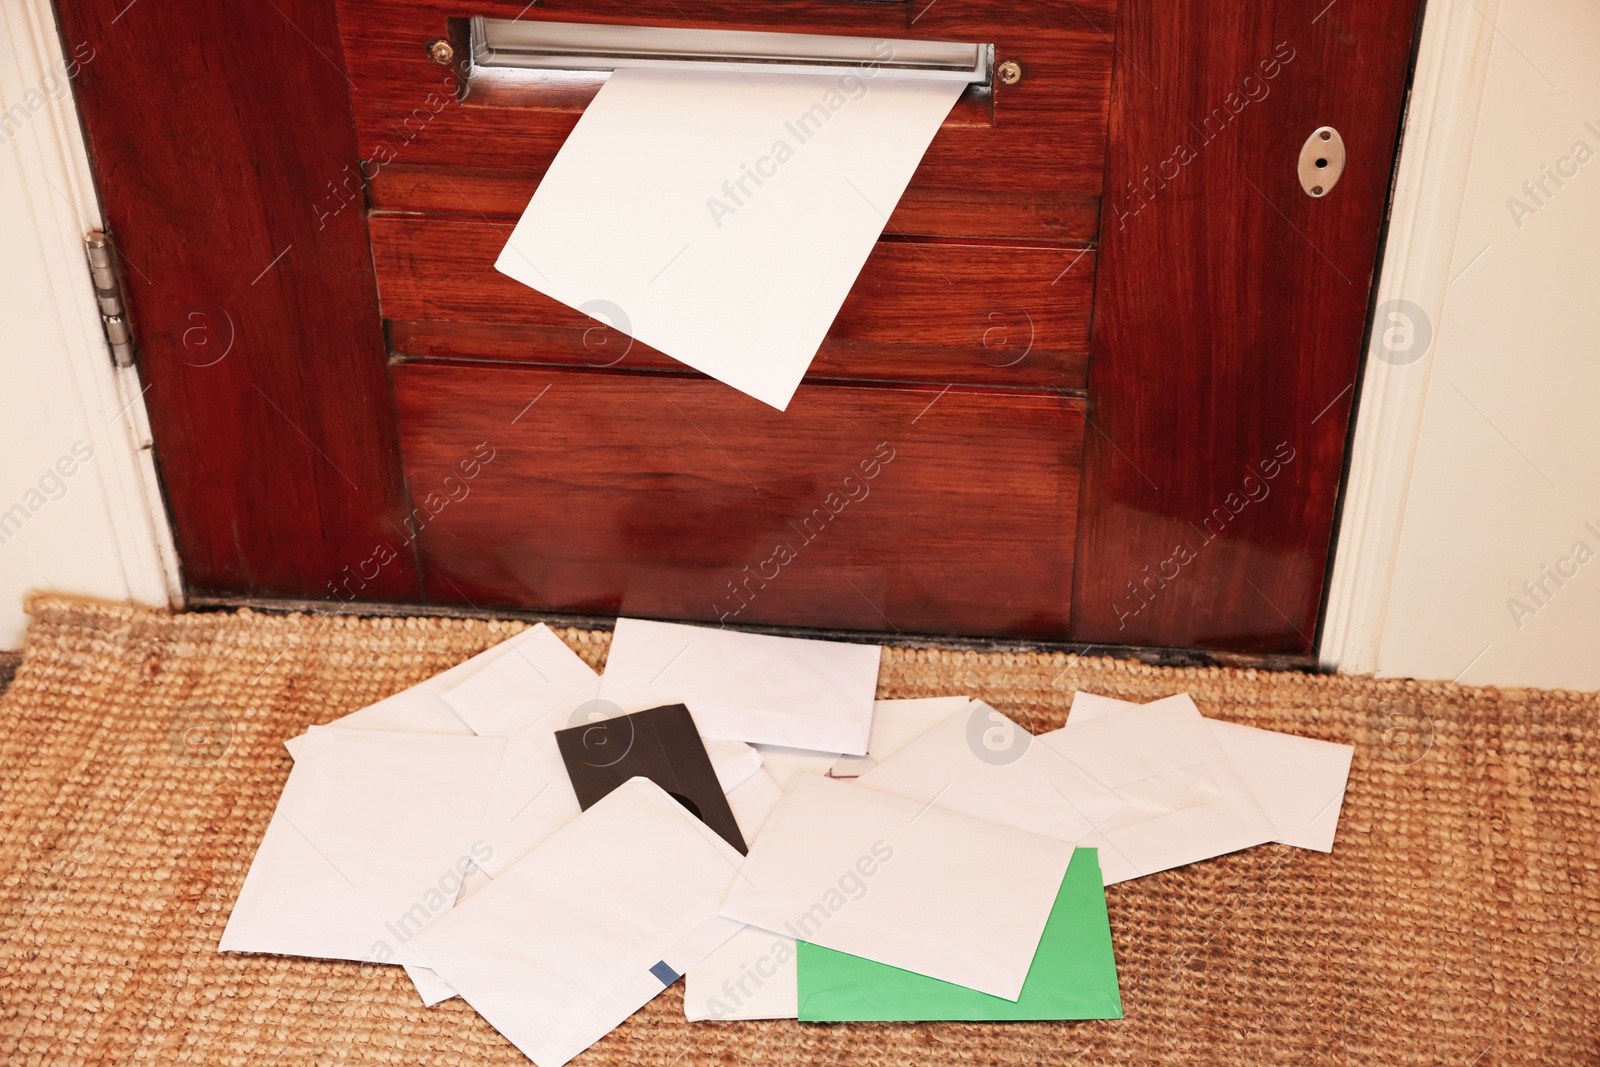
1456,922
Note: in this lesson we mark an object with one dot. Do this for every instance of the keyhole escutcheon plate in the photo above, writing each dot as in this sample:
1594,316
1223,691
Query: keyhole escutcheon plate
1321,161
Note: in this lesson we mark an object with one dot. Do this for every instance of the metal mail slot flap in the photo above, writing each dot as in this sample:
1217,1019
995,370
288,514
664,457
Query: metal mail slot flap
535,45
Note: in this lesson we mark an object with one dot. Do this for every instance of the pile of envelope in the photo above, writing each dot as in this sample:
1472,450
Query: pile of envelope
557,847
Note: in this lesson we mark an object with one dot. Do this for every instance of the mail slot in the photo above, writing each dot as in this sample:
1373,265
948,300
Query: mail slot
1020,159
534,45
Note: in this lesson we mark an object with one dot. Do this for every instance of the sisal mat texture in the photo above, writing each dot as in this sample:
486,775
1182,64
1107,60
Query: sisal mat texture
1457,921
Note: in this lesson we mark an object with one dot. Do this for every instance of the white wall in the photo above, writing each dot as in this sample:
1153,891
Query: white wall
1506,477
76,482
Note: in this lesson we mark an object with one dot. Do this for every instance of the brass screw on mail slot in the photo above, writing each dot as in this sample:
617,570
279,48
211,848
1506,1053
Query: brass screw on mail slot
441,51
1010,72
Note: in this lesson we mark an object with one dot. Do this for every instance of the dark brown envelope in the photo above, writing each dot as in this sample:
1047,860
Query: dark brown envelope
661,744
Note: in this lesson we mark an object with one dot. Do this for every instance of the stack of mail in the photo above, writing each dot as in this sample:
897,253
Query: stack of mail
557,847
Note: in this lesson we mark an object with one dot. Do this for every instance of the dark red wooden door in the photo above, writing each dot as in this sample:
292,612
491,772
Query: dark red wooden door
1229,315
1070,348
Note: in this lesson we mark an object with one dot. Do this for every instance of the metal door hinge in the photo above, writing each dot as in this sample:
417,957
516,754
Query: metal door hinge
108,291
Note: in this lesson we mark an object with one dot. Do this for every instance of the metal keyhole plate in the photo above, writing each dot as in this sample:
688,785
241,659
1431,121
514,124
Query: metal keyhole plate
1321,161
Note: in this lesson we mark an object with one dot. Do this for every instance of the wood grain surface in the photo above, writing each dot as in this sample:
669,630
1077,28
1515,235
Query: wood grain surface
1229,315
886,509
217,133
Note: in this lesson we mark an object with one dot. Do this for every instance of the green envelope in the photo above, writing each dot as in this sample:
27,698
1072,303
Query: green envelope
1073,975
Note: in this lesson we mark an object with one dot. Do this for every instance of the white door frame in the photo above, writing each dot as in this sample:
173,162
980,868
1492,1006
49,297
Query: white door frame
60,207
1430,184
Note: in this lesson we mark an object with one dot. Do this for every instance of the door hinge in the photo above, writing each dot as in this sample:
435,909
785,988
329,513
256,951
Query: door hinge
108,291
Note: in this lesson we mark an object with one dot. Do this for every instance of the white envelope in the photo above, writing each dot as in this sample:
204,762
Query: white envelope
536,674
907,884
747,687
1185,800
983,764
1298,781
418,710
895,724
788,764
532,798
722,217
370,840
752,976
752,801
590,926
734,761
423,709
430,987
772,992
1086,706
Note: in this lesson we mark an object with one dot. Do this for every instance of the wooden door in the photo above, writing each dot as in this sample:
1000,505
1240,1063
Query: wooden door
1039,377
1229,315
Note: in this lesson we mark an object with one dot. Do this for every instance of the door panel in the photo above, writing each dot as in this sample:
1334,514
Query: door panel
1068,218
911,509
984,279
257,327
1202,420
1229,315
1021,163
937,312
